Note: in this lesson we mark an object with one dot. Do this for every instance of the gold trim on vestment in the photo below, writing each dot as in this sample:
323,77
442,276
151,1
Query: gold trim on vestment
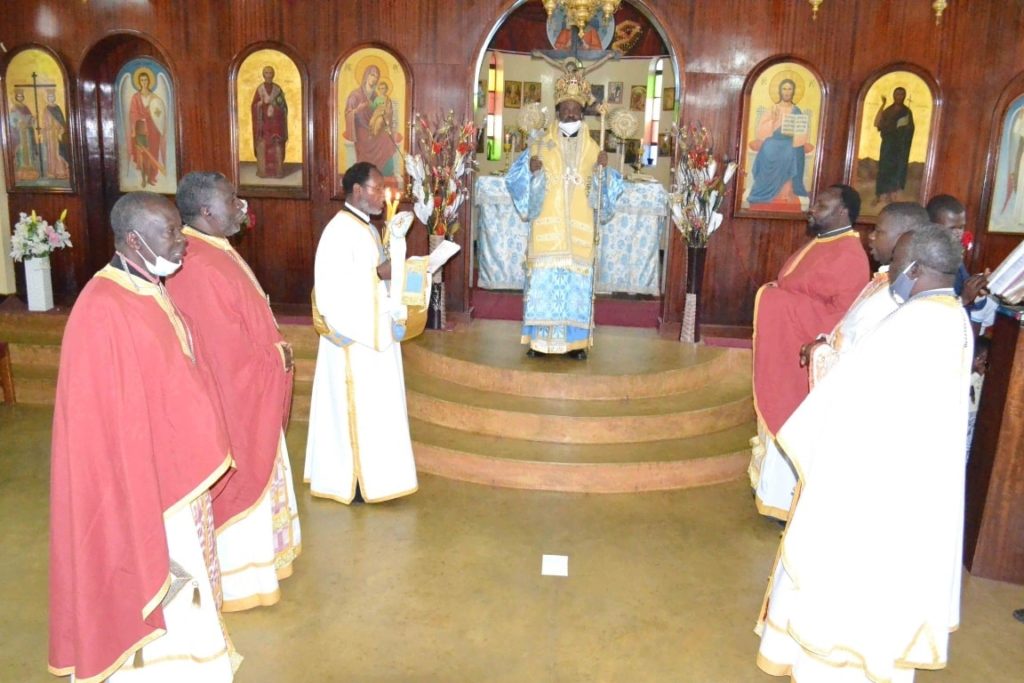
392,496
255,600
541,346
158,597
772,667
224,245
202,487
266,489
143,287
187,500
246,567
178,658
353,425
118,662
771,510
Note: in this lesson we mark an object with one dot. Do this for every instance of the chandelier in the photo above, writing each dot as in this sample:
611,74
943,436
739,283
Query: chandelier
578,13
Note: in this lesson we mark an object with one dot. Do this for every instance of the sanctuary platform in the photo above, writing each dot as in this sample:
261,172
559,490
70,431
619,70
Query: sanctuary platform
642,414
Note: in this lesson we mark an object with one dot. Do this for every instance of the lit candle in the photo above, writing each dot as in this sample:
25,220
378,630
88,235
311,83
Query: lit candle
390,206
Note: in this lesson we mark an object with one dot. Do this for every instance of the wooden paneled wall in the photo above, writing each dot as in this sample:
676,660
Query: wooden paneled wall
975,56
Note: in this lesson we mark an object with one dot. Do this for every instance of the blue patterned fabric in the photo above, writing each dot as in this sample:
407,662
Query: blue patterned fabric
556,310
630,240
526,189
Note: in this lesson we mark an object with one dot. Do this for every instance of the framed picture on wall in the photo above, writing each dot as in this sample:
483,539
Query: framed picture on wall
668,99
614,92
893,145
372,100
1006,210
633,149
781,133
513,94
146,130
531,92
38,156
638,97
269,110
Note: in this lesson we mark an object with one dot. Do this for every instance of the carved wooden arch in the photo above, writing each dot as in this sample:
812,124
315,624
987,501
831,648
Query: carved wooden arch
70,113
336,115
855,128
745,113
306,131
131,44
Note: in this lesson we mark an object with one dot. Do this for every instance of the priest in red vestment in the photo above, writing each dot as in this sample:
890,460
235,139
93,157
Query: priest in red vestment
258,533
138,440
814,289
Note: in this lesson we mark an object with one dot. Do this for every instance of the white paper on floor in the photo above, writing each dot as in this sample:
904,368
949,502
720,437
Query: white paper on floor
554,565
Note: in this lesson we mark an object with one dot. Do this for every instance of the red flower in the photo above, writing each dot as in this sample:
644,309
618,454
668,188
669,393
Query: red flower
967,240
437,200
439,229
463,148
436,148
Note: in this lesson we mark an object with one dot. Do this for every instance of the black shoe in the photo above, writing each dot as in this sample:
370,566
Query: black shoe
1018,614
530,353
578,354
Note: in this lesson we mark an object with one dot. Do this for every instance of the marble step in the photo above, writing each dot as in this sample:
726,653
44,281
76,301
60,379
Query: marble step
592,468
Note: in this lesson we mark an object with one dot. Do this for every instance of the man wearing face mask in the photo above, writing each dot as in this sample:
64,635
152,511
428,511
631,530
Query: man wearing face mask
815,288
359,446
867,586
255,511
138,440
557,185
874,302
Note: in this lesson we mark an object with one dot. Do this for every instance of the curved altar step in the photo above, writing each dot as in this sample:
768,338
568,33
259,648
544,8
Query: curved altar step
702,410
487,356
582,468
642,414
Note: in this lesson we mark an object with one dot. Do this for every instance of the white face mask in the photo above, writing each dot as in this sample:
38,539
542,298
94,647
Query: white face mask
570,127
162,267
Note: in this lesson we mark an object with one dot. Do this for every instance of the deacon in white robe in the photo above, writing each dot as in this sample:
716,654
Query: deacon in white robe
358,425
868,590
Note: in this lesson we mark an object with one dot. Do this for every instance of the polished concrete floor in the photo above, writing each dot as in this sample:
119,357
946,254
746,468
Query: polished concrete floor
446,586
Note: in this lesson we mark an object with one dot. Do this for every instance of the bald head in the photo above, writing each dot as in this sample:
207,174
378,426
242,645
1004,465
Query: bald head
146,226
132,211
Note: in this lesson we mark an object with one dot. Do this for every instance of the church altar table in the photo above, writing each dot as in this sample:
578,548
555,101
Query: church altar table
630,240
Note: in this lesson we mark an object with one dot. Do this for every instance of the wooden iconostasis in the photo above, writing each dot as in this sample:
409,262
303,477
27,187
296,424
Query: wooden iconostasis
193,53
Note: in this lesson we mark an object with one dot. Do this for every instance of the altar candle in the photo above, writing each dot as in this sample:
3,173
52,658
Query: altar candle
390,205
412,134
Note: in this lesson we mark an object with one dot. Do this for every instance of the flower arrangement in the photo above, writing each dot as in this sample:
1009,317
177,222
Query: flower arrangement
699,185
33,237
439,165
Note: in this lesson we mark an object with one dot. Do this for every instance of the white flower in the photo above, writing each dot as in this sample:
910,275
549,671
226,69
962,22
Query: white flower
34,236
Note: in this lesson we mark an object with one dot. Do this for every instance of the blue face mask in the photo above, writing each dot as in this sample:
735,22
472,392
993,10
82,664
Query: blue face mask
903,285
